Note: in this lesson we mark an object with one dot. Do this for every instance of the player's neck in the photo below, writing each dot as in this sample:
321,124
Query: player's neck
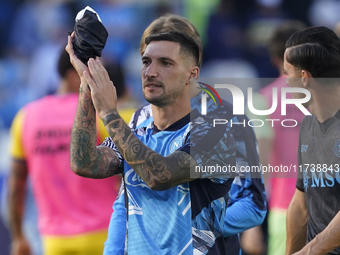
164,117
325,103
194,91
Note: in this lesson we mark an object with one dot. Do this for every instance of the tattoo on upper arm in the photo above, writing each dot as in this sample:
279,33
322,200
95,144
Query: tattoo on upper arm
108,161
105,160
92,162
82,148
150,165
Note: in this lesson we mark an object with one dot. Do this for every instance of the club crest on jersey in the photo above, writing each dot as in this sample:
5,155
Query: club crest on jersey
175,144
337,149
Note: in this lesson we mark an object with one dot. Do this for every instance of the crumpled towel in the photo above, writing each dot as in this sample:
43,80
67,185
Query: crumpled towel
90,35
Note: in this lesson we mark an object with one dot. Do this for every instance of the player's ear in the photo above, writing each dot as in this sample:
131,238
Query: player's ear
193,75
306,78
195,71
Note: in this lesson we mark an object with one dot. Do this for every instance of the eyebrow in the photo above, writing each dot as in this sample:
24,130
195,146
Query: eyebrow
167,59
145,57
160,58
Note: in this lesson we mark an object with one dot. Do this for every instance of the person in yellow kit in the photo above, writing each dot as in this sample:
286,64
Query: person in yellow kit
73,212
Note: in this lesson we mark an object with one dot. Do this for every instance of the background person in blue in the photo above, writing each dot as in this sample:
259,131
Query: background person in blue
170,212
247,202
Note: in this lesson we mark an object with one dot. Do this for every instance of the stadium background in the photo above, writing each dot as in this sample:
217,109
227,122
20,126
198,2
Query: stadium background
234,32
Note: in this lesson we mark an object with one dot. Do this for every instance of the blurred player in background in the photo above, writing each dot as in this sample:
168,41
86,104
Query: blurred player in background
277,144
73,212
312,62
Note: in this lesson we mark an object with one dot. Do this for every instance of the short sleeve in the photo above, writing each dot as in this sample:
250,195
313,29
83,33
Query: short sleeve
16,144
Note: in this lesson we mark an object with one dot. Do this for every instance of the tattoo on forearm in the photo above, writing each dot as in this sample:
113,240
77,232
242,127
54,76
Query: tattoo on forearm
87,119
151,166
90,161
105,160
82,149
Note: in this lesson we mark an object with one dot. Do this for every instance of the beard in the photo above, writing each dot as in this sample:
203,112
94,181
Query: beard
164,98
158,101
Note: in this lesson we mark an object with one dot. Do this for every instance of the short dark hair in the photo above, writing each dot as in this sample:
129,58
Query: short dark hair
173,22
317,50
64,63
277,41
187,44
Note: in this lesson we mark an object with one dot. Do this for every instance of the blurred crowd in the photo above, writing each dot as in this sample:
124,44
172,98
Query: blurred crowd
34,31
235,35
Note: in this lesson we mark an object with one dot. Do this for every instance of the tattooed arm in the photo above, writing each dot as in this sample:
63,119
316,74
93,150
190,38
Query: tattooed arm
85,158
157,171
97,92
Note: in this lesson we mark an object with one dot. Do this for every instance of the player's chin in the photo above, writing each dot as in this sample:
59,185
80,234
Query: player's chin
152,94
158,100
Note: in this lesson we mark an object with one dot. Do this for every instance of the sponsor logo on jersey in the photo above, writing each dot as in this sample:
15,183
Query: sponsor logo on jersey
322,179
304,148
133,179
305,180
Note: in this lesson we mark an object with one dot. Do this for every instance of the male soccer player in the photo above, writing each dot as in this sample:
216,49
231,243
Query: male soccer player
170,211
247,203
312,61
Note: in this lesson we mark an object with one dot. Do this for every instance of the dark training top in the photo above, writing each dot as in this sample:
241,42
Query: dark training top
318,176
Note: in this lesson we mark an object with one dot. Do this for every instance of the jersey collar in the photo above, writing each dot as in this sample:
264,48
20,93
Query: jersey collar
179,123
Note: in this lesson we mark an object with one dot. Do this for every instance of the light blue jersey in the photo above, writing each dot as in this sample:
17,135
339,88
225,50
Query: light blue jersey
188,218
247,202
160,219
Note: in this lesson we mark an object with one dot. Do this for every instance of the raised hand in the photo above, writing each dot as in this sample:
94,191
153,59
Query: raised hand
103,92
78,65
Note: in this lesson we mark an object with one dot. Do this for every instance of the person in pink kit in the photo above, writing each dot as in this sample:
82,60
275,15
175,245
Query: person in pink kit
278,145
73,212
